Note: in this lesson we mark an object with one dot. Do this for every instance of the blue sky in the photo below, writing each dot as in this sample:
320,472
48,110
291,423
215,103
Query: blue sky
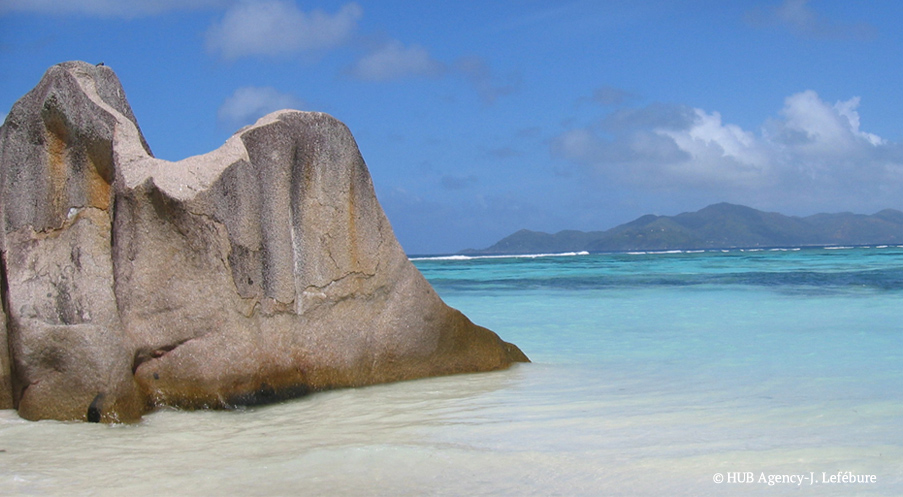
477,119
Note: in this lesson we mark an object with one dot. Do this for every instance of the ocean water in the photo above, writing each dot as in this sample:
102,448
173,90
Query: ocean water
772,372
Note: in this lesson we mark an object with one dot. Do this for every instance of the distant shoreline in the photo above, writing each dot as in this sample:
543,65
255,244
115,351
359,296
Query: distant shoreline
466,257
714,227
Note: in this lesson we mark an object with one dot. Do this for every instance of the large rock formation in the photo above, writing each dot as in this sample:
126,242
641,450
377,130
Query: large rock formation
259,271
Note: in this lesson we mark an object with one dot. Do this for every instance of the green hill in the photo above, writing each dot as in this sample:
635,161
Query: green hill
716,226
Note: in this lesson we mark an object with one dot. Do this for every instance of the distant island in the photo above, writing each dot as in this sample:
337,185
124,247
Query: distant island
717,226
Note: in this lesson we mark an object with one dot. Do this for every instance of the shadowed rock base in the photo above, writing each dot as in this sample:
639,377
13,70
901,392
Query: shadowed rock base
258,272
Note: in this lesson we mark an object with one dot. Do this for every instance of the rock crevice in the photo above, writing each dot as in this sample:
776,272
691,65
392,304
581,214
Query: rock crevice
259,271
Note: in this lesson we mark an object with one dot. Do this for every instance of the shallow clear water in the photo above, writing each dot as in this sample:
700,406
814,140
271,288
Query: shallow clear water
652,373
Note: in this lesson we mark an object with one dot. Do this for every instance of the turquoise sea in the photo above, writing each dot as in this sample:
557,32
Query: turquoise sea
767,372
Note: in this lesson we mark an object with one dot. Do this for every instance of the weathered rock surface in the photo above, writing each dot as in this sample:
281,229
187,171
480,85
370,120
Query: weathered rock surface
259,271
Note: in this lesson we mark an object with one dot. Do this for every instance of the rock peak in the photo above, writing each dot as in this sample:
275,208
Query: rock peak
262,270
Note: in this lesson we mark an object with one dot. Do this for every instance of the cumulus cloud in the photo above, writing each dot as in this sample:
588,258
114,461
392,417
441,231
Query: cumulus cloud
818,128
249,103
799,18
812,149
279,27
718,153
394,60
106,8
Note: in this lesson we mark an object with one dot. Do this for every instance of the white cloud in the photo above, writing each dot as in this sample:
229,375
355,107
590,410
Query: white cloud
718,153
279,27
106,8
249,103
814,151
823,127
393,60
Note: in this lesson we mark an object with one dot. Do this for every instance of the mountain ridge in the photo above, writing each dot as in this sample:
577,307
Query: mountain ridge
721,225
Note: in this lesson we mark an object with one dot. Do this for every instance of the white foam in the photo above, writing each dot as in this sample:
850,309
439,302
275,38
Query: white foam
515,256
443,258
